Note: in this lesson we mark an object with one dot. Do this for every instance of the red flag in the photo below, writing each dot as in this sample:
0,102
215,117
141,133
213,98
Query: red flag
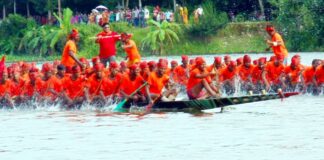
2,64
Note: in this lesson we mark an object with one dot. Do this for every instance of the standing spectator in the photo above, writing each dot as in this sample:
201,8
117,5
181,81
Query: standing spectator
118,14
146,15
185,16
156,12
107,40
141,17
129,16
168,16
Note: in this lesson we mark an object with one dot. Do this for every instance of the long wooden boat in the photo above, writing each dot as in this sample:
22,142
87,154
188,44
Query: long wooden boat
205,104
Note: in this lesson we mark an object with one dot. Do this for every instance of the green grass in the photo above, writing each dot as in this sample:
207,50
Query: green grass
245,37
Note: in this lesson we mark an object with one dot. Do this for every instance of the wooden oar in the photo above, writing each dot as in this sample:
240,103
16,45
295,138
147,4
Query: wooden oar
120,105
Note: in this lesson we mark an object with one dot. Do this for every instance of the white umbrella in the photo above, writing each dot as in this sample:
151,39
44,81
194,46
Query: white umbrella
101,7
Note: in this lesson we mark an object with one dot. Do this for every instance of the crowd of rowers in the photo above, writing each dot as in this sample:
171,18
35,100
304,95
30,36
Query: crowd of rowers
23,82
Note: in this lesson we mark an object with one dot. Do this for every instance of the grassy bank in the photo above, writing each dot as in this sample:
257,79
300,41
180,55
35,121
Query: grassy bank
243,37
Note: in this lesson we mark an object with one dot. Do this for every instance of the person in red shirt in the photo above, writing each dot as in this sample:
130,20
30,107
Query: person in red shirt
182,71
258,75
199,79
130,82
292,74
319,79
107,40
276,43
228,76
275,73
308,75
157,81
245,73
74,93
5,85
95,86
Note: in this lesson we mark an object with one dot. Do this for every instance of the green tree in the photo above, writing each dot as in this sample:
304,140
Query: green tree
161,35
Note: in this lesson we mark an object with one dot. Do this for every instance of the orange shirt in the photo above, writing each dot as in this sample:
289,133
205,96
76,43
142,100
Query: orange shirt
111,86
193,80
128,86
226,74
157,83
31,89
17,87
319,74
67,60
5,88
308,74
244,72
74,88
95,84
280,49
45,86
132,52
181,74
257,74
293,74
274,72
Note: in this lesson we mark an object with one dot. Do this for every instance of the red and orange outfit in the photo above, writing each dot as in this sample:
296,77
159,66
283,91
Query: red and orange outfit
132,53
193,80
279,49
107,44
67,60
245,72
274,72
5,88
293,74
111,86
308,75
46,85
181,74
226,74
74,88
157,83
128,86
319,75
95,85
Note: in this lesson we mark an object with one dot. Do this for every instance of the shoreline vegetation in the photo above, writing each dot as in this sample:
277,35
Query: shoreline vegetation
213,33
243,37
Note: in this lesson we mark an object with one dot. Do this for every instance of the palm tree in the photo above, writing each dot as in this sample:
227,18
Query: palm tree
161,35
65,26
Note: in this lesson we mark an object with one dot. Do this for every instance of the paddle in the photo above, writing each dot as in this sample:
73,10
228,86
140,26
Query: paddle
122,103
150,105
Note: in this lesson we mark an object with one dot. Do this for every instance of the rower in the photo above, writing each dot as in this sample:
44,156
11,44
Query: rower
319,79
292,74
157,81
5,85
275,73
199,79
259,78
228,77
308,74
245,73
182,71
130,82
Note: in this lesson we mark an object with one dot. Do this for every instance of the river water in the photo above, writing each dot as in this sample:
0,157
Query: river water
291,129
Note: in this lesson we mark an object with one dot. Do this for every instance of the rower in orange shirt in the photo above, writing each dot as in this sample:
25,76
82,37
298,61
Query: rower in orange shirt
239,61
227,59
96,85
319,78
31,87
182,71
157,81
275,73
199,79
172,74
69,58
5,85
276,43
308,75
75,89
111,87
145,71
292,74
47,87
245,73
152,66
228,76
123,67
131,50
258,75
217,66
17,87
130,82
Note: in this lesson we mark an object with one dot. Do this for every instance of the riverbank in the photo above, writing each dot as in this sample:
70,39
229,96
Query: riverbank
244,37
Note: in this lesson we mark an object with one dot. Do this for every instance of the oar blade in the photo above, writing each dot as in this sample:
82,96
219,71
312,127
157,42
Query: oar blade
119,107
